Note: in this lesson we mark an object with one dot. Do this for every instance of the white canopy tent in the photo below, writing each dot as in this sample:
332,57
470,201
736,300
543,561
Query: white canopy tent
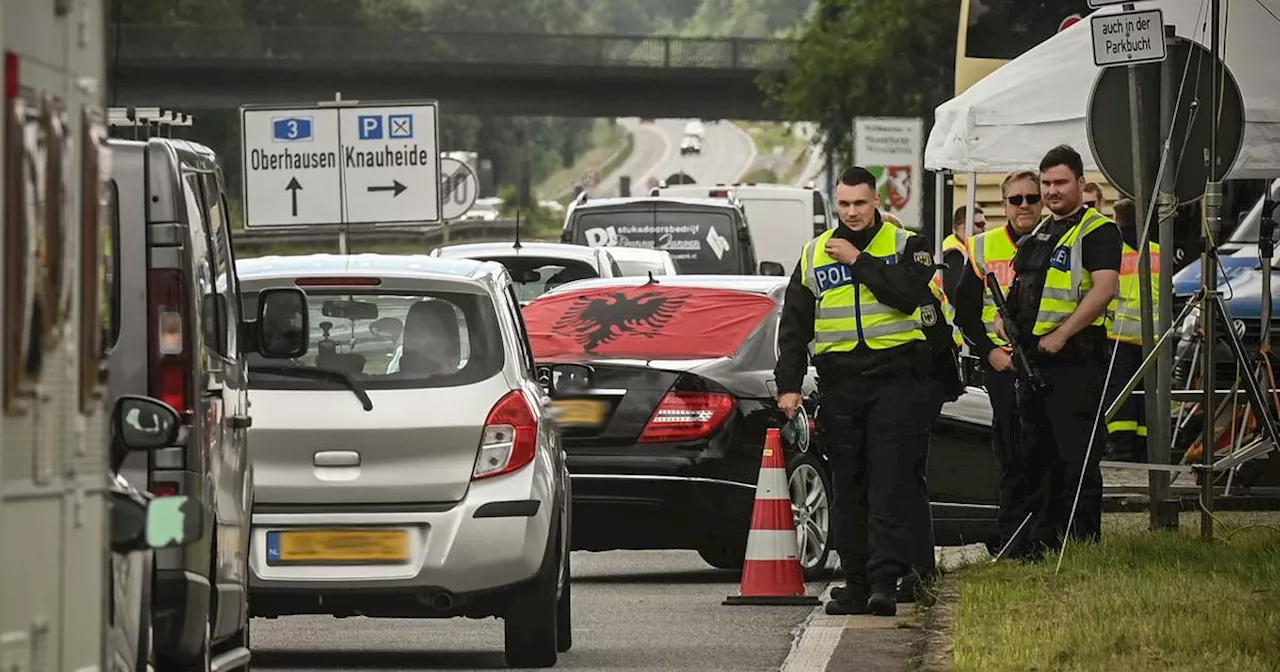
1011,117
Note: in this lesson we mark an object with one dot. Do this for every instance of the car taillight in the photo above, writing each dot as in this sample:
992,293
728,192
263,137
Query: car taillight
510,437
164,489
686,416
169,356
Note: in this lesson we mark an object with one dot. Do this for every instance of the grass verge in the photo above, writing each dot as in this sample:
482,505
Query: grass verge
769,135
606,138
1139,601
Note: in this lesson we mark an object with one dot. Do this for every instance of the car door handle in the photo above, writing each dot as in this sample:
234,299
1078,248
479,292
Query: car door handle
241,421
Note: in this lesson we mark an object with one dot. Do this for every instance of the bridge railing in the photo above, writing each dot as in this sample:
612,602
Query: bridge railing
304,48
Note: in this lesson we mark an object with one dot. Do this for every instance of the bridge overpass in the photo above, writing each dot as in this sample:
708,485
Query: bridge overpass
210,67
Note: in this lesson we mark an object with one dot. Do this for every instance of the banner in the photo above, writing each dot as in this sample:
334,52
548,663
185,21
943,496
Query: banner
893,150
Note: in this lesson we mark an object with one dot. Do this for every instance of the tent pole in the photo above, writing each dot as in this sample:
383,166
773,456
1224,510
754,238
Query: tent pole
939,217
970,200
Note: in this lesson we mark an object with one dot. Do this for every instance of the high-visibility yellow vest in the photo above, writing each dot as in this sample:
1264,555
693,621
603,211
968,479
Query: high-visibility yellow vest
992,252
948,310
1066,281
951,242
1124,315
848,313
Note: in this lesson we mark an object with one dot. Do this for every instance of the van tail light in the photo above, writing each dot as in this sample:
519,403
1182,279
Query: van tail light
169,358
164,489
687,416
510,437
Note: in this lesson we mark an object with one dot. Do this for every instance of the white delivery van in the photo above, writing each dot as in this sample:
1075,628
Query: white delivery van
780,218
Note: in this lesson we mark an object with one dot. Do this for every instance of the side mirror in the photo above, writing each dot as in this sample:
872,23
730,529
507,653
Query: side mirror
772,268
163,522
142,423
283,324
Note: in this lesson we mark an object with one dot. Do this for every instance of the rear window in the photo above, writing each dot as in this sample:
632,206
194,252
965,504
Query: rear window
392,340
699,242
651,321
533,276
778,214
642,268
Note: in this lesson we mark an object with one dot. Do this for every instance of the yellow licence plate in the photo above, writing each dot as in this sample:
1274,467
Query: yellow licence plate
328,547
580,411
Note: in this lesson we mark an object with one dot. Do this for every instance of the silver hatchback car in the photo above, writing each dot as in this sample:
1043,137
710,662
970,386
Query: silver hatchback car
407,466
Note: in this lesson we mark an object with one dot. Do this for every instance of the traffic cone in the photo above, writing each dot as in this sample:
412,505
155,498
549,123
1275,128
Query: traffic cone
772,573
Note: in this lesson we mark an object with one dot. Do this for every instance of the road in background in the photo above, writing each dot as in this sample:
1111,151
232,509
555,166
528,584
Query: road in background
650,147
633,610
727,153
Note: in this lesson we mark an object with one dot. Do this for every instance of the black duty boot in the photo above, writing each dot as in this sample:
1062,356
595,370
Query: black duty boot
914,589
882,601
846,600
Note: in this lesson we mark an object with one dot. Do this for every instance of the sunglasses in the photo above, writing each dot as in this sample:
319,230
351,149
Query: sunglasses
1016,200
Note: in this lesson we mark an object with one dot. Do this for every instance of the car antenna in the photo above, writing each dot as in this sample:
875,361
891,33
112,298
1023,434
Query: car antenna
517,245
652,280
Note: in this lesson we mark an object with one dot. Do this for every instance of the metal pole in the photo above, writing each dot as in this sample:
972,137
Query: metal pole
970,196
1213,217
1158,400
939,217
342,240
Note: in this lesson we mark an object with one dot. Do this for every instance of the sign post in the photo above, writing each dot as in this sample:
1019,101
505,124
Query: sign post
893,150
338,163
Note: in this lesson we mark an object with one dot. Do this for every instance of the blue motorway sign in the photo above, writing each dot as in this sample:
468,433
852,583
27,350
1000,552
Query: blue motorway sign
291,129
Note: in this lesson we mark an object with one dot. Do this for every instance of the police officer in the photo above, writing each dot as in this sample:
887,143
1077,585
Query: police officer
1066,275
955,254
1127,430
857,295
992,251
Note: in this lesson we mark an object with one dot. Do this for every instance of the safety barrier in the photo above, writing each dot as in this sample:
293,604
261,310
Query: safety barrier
251,243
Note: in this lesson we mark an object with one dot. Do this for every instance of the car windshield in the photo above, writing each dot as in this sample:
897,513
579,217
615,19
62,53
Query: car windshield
699,242
649,321
534,276
392,340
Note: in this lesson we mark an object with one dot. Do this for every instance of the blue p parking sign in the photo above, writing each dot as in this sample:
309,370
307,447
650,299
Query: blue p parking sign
291,129
370,126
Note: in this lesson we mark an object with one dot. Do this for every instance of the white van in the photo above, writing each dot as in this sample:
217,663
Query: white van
781,218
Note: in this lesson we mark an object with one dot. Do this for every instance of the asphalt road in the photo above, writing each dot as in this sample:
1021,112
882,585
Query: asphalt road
656,610
727,153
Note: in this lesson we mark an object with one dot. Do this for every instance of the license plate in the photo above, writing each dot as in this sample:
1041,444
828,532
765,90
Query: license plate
580,411
337,547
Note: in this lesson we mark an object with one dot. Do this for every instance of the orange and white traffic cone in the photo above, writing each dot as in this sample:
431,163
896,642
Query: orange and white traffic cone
772,573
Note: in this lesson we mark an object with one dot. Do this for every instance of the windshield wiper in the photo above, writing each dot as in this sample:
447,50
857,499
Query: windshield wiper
319,374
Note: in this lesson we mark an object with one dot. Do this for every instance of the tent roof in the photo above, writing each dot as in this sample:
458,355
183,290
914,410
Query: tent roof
1008,119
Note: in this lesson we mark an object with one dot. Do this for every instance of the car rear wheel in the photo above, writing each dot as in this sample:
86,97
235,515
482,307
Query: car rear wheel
810,489
723,555
530,625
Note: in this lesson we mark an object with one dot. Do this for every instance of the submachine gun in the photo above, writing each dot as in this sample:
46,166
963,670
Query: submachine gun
1027,373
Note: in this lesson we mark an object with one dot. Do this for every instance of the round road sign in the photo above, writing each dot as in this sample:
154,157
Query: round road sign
1111,139
459,188
1068,22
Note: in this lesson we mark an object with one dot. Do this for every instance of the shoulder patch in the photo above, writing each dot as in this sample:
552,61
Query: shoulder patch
922,257
928,316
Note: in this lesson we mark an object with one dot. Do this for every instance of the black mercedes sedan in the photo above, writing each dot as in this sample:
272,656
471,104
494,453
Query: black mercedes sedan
664,389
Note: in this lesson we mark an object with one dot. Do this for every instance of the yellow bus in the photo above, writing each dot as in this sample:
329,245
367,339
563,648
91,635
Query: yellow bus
990,34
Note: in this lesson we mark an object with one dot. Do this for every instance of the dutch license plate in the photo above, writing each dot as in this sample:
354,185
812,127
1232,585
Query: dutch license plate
580,411
337,547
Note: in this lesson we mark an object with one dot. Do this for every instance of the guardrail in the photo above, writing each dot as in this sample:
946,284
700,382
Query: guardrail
323,48
251,242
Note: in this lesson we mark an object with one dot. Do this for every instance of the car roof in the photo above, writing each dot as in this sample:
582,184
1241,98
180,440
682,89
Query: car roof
633,200
768,285
387,265
532,249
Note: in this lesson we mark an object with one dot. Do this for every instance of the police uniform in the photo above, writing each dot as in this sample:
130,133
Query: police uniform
1054,268
866,322
1127,430
992,252
955,257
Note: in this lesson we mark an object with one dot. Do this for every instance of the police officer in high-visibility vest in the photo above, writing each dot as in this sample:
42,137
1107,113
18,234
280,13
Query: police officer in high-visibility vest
857,295
1127,430
1066,271
993,251
955,254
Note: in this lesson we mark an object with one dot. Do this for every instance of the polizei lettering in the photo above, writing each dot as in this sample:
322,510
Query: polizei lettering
385,157
1125,36
287,159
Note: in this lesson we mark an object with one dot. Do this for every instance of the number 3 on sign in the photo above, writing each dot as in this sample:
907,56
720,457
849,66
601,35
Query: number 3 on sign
291,129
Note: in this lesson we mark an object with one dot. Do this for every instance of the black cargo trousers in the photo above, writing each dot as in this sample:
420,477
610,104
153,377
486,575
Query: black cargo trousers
869,429
1016,501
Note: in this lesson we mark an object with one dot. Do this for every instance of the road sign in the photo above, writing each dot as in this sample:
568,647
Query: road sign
1068,22
459,188
1128,38
1111,140
341,163
1103,3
